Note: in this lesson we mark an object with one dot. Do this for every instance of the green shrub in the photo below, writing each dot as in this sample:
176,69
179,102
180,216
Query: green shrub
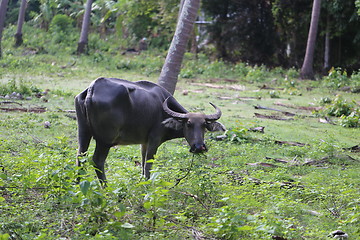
257,74
325,100
241,69
17,87
274,94
62,32
355,82
61,23
337,78
351,121
348,113
340,107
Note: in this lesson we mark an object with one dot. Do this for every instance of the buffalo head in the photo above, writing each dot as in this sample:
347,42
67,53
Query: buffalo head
193,125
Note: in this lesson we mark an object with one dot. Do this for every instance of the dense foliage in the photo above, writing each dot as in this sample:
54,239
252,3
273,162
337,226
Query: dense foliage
273,32
286,168
250,185
242,30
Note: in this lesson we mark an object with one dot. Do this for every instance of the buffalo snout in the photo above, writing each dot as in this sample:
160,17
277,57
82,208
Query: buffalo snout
198,148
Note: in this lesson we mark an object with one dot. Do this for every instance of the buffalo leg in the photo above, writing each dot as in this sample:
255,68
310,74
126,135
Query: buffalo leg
84,132
84,142
147,151
84,138
144,164
99,158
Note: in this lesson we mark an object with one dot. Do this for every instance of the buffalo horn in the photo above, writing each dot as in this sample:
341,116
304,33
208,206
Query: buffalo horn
215,116
175,115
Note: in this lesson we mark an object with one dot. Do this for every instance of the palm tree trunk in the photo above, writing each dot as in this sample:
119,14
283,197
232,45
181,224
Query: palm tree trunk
3,8
307,71
21,19
327,46
83,42
180,9
171,68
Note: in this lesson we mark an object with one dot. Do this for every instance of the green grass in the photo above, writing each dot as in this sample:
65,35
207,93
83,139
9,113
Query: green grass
222,195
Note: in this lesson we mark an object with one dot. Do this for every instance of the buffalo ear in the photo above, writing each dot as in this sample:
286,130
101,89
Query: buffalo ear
173,123
215,126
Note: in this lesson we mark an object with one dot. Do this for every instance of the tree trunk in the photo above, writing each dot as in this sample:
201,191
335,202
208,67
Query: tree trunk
327,46
83,42
20,23
3,8
180,9
307,71
171,69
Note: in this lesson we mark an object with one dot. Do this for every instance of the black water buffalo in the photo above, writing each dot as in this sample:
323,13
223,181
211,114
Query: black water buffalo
119,112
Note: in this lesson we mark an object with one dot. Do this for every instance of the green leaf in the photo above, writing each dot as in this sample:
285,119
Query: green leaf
127,225
85,186
4,236
245,228
119,214
165,183
154,176
147,205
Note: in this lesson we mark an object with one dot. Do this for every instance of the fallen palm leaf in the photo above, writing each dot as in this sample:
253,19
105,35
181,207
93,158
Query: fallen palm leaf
274,109
217,86
273,117
326,120
257,129
355,148
309,108
17,109
290,143
262,164
277,160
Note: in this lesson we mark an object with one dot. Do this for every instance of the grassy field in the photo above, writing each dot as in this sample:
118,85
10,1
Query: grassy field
299,179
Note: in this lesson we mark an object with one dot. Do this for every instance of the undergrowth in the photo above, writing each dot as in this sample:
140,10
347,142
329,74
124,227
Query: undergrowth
249,185
226,194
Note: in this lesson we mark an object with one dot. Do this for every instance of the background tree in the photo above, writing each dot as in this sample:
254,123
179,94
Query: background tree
21,19
83,41
151,19
242,30
342,24
171,68
269,32
3,8
291,20
307,71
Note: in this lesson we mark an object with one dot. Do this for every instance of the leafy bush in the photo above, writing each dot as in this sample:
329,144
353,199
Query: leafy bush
61,23
229,223
274,94
96,43
257,74
61,29
355,82
325,100
241,69
352,120
337,78
340,107
348,112
17,87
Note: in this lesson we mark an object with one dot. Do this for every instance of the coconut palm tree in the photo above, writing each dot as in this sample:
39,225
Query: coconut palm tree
20,23
171,68
307,71
3,8
82,44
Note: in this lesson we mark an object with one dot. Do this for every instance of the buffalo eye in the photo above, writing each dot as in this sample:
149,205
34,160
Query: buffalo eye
189,124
